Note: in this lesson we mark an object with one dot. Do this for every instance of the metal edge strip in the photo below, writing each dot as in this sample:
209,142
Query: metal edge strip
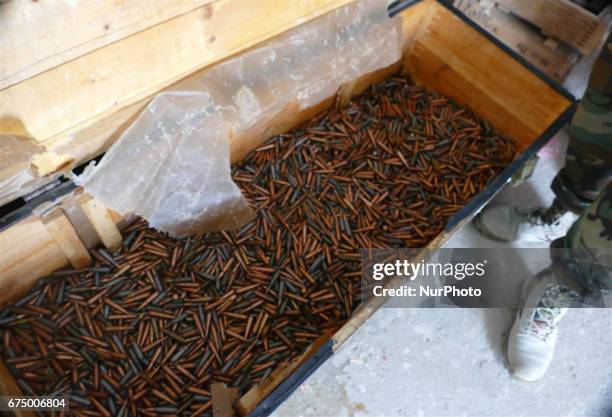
399,6
49,196
293,381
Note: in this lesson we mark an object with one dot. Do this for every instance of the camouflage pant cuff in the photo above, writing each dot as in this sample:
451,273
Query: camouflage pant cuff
571,272
567,197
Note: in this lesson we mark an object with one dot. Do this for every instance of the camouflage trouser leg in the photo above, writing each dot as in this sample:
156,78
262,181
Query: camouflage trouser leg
588,164
585,253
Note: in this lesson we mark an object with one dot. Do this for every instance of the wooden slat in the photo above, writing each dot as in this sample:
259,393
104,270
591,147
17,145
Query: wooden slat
562,19
222,399
39,35
125,72
73,209
458,61
102,220
413,21
60,229
84,141
555,61
27,252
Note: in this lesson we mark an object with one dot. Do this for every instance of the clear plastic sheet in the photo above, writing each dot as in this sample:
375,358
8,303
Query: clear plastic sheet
172,167
308,63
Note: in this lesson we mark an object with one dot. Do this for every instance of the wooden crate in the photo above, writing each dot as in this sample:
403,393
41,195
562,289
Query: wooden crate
443,50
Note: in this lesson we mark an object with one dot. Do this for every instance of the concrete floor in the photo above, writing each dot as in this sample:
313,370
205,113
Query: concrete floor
450,362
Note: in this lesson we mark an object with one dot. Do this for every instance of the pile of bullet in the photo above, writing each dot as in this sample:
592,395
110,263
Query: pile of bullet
146,329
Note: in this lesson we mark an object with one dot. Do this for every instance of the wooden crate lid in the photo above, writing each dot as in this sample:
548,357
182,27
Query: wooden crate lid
561,19
554,60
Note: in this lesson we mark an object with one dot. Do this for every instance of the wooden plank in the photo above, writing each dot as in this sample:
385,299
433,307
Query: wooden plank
222,399
102,220
16,177
27,252
456,60
562,19
60,228
36,36
125,72
91,141
72,208
84,141
413,21
553,60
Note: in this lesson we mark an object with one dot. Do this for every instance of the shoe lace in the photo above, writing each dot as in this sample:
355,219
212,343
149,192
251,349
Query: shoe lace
541,217
546,217
549,310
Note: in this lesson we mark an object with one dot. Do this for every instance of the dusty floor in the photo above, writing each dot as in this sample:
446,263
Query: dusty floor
450,362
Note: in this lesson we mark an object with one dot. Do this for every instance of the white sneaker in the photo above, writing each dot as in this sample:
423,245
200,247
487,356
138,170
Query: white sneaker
536,229
505,223
532,339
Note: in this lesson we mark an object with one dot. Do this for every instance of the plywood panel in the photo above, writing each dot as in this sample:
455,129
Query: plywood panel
125,72
39,35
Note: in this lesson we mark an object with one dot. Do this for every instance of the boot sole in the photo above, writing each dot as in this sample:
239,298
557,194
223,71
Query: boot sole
525,287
